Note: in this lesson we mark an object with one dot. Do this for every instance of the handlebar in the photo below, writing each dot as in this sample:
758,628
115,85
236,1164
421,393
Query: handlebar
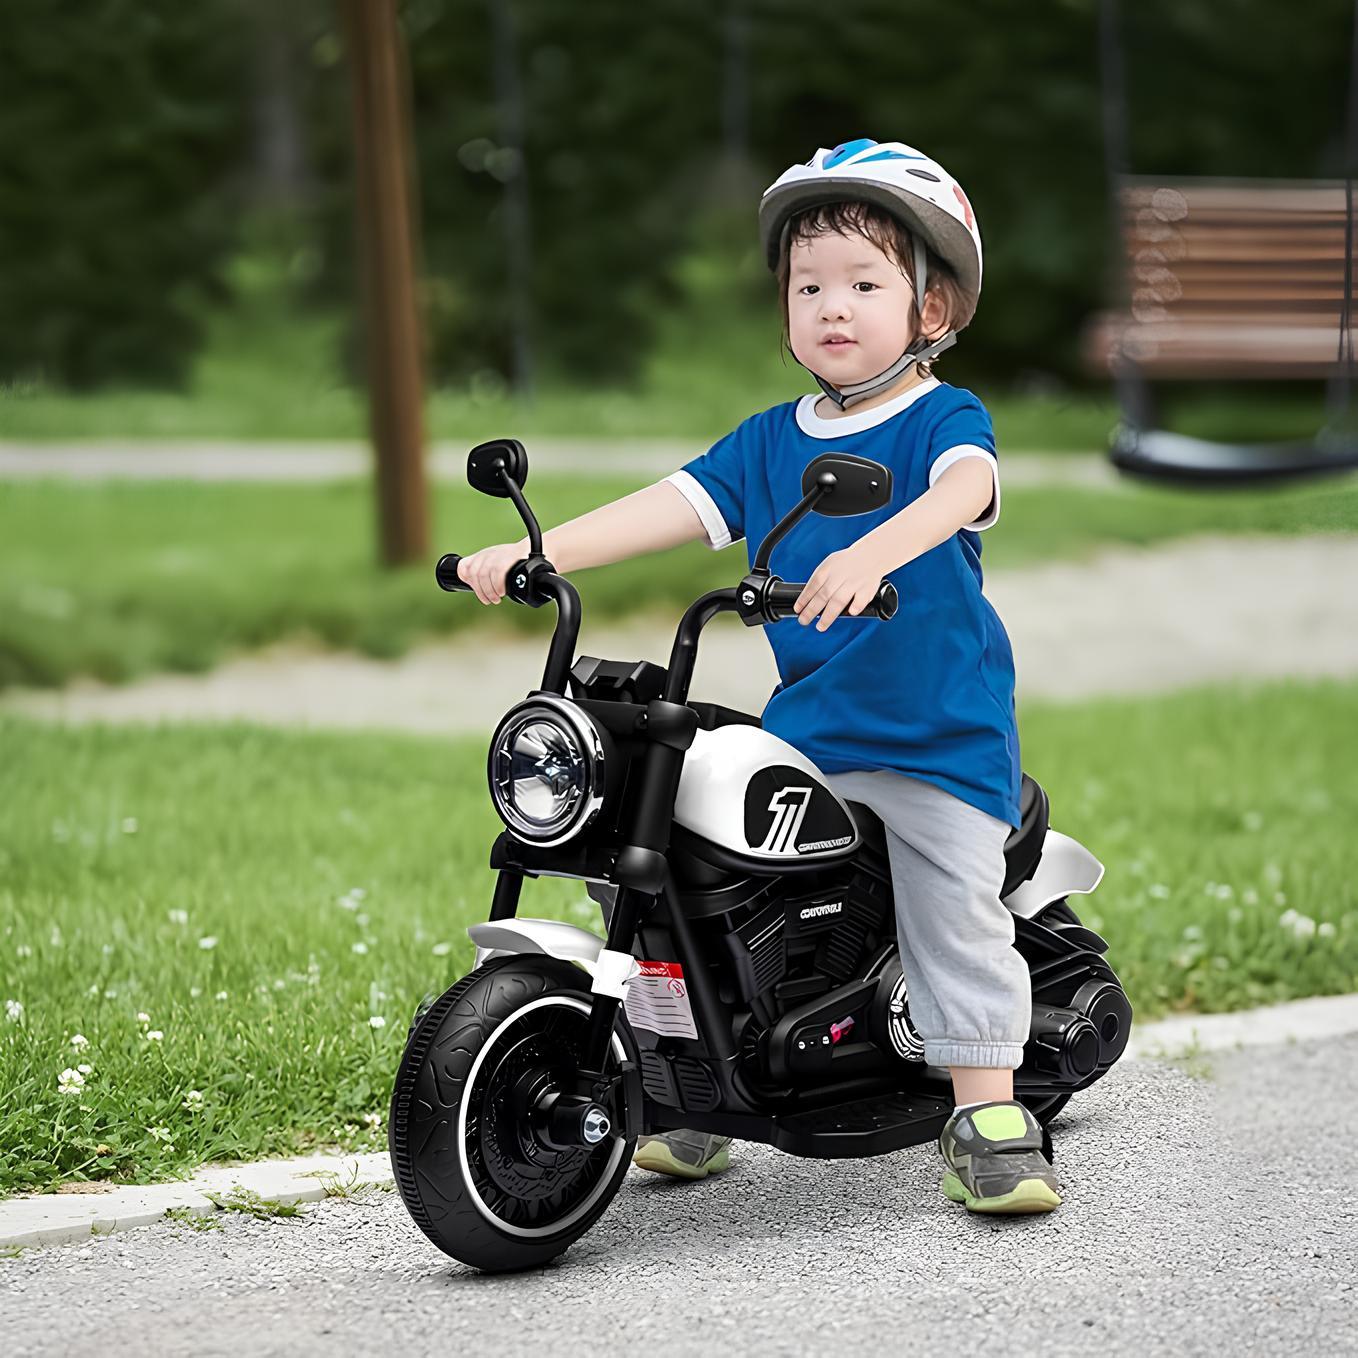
783,594
446,573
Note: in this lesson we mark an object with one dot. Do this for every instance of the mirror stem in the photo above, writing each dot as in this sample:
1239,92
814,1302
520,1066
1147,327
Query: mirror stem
781,529
526,514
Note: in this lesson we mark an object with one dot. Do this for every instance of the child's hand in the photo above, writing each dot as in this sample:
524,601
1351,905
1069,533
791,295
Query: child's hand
847,579
485,571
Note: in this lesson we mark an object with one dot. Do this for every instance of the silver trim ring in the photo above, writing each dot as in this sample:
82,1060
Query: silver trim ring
579,724
526,1232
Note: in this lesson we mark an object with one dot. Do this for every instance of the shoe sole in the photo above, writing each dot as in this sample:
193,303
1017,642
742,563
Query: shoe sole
659,1159
1031,1195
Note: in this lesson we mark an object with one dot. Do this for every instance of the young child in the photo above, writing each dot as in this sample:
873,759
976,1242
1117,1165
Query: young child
878,260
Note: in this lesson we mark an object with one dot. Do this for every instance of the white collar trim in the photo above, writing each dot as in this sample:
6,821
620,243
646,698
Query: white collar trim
819,428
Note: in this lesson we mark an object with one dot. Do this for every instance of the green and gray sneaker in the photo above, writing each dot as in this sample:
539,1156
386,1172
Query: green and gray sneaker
999,1160
684,1154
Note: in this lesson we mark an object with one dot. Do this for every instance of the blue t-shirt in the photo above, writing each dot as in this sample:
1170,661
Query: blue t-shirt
928,693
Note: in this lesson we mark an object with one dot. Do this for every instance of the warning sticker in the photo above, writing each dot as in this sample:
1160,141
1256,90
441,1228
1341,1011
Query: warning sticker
657,1001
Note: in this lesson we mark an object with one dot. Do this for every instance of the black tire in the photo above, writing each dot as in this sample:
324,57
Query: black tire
449,1133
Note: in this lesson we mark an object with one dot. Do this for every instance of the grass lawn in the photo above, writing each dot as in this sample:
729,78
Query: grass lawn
228,927
119,579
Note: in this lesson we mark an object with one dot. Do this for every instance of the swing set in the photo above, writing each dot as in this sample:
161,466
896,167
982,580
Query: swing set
1225,279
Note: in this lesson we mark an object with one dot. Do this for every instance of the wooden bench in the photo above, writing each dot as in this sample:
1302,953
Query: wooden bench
1228,281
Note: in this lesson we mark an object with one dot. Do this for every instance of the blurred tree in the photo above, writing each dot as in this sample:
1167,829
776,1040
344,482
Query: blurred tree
122,124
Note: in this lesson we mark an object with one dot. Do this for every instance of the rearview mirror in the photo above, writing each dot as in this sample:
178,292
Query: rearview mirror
485,460
856,485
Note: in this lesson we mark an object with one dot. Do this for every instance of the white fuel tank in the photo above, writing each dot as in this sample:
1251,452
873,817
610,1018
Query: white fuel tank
757,796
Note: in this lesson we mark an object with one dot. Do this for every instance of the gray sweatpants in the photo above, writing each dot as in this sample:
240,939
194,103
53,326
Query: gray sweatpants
969,990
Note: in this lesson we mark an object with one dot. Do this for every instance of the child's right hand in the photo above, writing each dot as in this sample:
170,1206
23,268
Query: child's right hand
485,571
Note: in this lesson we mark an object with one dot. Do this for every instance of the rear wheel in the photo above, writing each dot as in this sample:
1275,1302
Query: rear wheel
473,1172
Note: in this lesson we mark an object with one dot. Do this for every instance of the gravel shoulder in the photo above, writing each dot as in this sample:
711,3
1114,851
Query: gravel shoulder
1126,621
1205,1210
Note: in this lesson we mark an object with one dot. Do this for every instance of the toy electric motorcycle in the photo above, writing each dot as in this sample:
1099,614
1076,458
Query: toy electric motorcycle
750,983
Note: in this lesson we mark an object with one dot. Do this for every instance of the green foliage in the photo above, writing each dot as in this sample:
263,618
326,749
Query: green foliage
121,124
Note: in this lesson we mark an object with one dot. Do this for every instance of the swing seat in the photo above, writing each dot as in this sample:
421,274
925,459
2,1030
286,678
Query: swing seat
1243,281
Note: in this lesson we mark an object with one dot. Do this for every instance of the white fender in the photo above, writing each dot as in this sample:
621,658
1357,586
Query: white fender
609,971
1066,868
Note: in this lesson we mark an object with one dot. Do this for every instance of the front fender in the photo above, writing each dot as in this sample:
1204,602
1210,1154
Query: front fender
609,971
1066,868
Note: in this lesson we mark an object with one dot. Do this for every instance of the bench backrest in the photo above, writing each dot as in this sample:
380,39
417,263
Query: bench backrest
1233,279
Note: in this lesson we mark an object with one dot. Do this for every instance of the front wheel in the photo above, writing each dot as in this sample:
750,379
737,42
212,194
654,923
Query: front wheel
474,1175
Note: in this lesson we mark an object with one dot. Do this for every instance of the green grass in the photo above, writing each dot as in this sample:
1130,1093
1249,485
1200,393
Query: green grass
263,897
120,579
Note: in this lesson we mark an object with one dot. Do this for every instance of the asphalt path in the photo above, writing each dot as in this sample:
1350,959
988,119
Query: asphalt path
1209,1208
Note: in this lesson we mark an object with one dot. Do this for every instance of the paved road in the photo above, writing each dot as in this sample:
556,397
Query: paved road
151,459
1201,1217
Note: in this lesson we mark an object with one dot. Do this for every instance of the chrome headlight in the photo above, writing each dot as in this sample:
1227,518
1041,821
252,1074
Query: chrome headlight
547,770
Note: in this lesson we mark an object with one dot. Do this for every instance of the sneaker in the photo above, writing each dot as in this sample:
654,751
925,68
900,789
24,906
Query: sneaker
683,1154
999,1160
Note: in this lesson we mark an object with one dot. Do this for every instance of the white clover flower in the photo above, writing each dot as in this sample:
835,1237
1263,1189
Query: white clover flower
54,938
195,992
161,1134
143,1018
349,901
377,1021
94,990
1301,926
79,1042
178,916
85,1069
14,1011
70,1081
280,984
221,995
360,948
23,950
193,1101
1225,892
441,949
373,1119
363,920
129,826
207,944
1325,930
153,1035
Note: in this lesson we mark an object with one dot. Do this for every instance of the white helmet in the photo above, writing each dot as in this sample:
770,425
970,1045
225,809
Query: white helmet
918,191
915,190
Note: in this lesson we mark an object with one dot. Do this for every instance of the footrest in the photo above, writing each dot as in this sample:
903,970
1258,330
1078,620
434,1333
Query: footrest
886,1122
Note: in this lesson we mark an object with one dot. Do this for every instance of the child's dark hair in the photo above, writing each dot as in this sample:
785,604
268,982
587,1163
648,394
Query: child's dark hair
887,233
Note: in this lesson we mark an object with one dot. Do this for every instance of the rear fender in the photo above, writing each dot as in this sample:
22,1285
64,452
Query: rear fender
1066,868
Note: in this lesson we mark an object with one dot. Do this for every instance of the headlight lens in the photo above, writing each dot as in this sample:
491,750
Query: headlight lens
547,770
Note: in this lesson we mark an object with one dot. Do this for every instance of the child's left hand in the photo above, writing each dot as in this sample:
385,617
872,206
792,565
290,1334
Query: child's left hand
847,579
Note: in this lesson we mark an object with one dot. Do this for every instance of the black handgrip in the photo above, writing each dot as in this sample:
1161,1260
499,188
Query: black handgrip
446,573
785,594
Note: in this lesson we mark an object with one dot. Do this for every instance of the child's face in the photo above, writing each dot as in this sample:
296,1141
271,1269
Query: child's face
845,286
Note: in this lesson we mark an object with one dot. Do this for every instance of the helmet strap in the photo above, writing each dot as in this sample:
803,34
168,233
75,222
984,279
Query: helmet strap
922,351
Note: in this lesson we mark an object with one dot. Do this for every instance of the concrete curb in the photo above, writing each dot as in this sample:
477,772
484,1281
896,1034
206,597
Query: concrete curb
54,1218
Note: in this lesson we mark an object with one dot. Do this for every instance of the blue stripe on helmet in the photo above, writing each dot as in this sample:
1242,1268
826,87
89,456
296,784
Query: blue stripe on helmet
888,155
846,149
